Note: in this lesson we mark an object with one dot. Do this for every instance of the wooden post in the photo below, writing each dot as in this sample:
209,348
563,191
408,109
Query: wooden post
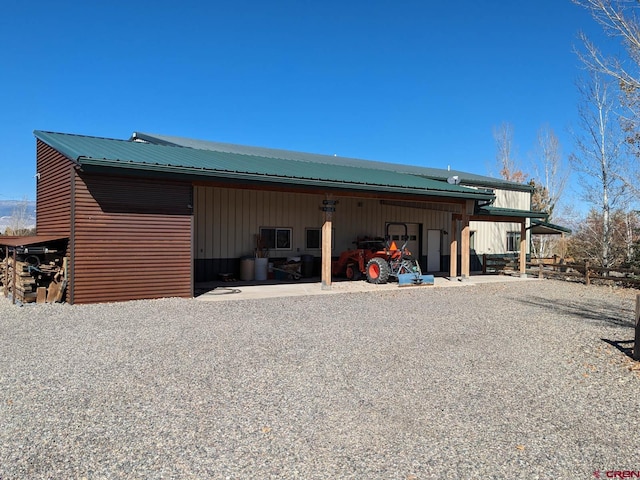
13,282
523,249
328,208
453,248
586,273
6,271
326,253
465,247
540,265
484,263
636,343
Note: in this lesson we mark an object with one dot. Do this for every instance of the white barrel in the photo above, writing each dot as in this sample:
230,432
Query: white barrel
261,267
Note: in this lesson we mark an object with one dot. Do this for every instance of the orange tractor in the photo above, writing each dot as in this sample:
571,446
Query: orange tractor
380,260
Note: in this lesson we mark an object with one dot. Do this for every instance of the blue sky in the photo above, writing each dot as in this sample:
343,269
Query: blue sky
417,82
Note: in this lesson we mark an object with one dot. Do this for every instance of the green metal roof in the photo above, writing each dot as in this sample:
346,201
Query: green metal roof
489,211
546,228
176,160
432,173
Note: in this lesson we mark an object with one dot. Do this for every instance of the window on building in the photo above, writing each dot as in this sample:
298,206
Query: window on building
276,238
313,238
513,241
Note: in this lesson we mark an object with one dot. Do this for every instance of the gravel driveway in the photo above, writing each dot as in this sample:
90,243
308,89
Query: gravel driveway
514,380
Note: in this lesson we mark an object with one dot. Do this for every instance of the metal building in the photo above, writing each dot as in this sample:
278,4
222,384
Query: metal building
150,216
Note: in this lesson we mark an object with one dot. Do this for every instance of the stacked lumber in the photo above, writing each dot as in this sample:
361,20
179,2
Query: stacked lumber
28,281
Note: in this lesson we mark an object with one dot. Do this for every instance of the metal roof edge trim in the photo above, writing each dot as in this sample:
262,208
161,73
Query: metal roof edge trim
470,194
23,241
523,187
552,226
489,211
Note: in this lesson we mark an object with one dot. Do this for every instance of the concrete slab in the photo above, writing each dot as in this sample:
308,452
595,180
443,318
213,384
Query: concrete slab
219,291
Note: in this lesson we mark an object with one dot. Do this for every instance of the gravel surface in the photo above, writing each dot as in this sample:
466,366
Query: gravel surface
513,380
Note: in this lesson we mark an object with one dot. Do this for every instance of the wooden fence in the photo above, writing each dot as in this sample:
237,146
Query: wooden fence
584,272
558,268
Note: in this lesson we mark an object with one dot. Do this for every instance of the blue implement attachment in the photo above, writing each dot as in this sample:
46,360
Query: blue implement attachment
413,279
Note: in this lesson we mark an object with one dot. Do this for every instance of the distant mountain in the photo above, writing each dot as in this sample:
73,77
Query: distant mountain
7,209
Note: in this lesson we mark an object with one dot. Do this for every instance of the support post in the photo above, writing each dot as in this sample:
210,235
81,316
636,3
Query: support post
6,271
523,249
484,263
636,343
587,278
15,274
540,265
465,247
328,209
453,248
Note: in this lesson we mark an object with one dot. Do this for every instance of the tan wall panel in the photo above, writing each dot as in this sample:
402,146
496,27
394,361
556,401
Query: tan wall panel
248,210
491,237
512,199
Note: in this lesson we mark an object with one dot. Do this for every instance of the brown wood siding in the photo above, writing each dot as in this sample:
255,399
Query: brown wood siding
53,191
132,239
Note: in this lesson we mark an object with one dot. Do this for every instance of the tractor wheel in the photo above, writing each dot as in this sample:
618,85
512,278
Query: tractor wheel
378,270
352,272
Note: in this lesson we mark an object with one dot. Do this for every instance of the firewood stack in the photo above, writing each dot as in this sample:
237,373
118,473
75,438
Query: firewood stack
34,281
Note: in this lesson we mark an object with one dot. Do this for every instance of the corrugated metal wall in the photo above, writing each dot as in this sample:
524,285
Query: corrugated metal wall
131,239
491,237
53,191
227,221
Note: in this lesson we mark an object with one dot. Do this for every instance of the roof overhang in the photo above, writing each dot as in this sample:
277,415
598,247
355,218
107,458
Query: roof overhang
540,227
487,213
173,171
26,241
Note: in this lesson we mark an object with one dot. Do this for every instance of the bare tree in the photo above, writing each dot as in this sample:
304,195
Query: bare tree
506,156
619,21
599,157
19,220
550,168
551,174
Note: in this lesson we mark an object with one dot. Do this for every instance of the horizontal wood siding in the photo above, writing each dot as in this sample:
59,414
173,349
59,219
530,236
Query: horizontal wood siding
132,239
53,191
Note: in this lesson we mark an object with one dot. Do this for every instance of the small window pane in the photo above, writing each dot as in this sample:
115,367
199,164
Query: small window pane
268,237
513,241
283,239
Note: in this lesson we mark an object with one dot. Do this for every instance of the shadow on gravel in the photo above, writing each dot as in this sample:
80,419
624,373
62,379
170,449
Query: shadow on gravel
628,351
597,311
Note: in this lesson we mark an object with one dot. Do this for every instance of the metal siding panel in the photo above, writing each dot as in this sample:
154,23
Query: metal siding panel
224,229
127,256
207,219
53,191
214,248
253,209
201,224
239,235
